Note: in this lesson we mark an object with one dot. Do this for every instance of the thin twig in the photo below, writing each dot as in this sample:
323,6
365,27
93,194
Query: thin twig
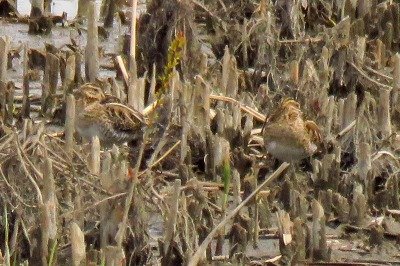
223,24
379,73
362,73
194,260
260,117
30,177
93,205
124,193
13,190
165,154
122,67
346,129
243,107
305,40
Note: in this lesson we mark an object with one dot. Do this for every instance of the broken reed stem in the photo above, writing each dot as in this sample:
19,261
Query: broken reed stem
364,161
133,30
330,115
6,237
260,117
225,70
50,81
349,110
256,232
50,200
237,199
70,125
194,260
3,105
106,181
153,83
92,46
132,98
364,75
77,244
139,94
48,211
109,18
346,129
171,222
185,129
164,155
82,8
384,122
95,156
69,73
39,196
37,8
294,71
122,67
9,94
396,82
25,112
115,89
128,201
15,234
319,250
4,47
380,54
132,95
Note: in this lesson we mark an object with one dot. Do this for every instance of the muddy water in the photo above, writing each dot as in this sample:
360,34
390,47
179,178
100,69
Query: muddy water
58,6
58,37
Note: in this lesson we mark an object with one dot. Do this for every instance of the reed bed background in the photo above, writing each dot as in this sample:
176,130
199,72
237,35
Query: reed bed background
208,73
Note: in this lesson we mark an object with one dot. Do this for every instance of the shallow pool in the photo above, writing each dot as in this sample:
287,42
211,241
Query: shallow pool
58,6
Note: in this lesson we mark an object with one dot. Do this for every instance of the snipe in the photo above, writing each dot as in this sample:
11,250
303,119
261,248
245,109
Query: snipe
106,118
287,136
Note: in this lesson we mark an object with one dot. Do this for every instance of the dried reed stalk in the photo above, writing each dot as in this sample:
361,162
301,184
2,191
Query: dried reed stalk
364,161
49,199
194,260
319,249
294,71
25,111
384,119
77,245
94,161
69,73
122,67
92,45
132,90
9,95
170,227
4,47
396,82
349,110
70,125
37,8
153,83
128,201
50,81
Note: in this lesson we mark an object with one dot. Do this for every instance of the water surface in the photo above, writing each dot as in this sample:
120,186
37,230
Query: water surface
58,7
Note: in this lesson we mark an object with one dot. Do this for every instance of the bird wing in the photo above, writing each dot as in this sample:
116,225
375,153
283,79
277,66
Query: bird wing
123,117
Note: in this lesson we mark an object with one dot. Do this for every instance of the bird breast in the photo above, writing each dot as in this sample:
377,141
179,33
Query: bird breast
287,152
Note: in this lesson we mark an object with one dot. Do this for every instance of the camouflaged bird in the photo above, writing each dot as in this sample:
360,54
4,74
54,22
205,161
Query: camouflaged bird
104,116
287,136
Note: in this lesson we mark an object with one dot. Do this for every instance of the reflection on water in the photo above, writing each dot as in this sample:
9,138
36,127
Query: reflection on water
58,6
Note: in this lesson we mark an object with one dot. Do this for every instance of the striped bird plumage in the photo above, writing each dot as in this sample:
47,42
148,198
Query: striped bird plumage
104,116
287,136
